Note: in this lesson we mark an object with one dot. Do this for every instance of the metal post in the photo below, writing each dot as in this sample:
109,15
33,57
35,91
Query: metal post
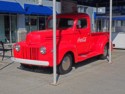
38,22
29,24
10,28
54,42
110,33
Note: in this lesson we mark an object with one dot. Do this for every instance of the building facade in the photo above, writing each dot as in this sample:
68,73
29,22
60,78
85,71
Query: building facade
18,17
118,23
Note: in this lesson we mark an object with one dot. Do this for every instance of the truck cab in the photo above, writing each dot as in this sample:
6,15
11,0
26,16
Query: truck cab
74,40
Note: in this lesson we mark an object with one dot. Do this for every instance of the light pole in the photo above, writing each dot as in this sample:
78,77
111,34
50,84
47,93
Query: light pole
110,34
54,43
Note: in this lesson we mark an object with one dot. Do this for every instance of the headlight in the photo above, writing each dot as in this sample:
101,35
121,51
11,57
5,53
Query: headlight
17,47
43,50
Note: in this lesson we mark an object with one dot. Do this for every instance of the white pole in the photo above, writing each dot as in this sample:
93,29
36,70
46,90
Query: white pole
54,42
110,33
10,31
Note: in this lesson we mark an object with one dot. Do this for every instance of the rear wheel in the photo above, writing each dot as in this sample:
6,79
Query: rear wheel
66,64
105,53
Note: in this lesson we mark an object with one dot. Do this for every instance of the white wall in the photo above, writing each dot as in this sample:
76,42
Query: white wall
21,26
50,4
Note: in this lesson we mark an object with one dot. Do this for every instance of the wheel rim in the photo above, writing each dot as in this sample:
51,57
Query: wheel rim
66,63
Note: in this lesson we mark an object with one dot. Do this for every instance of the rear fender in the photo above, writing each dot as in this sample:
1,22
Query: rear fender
101,44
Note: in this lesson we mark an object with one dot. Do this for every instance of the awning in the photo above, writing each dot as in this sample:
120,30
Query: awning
113,18
37,9
104,16
11,7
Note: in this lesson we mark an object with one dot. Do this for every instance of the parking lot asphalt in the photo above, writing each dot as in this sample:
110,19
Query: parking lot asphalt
89,77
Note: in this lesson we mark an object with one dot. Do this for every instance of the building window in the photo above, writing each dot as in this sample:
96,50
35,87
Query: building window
31,23
42,23
8,28
35,23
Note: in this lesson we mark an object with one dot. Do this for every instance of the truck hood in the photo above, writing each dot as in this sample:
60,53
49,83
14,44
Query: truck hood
37,37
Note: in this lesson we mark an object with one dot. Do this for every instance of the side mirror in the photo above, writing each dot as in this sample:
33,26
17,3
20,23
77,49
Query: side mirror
78,26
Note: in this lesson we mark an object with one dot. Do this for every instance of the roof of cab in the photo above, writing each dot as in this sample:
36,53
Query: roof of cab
73,15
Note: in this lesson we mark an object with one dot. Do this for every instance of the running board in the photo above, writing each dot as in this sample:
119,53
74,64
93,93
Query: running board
83,55
86,56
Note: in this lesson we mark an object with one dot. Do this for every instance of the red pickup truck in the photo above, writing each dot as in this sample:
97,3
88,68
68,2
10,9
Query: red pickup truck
75,43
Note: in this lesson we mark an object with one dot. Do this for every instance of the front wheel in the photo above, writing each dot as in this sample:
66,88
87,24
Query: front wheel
23,66
105,53
66,64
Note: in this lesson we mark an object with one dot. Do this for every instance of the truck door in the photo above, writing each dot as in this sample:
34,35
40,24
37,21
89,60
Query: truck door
82,36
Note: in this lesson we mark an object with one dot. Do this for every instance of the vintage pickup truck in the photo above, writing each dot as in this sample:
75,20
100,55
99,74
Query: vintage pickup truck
75,43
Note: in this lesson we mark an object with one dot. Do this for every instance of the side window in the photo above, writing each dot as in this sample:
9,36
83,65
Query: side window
82,23
65,23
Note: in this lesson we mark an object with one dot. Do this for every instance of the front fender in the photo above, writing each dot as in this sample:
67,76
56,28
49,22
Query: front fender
64,50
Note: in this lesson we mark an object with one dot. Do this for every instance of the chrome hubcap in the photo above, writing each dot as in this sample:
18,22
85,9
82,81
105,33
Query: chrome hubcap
66,63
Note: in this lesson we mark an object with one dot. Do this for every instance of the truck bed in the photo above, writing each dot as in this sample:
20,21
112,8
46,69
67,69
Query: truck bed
99,33
98,37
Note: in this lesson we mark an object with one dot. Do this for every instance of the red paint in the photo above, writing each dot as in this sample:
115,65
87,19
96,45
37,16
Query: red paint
80,42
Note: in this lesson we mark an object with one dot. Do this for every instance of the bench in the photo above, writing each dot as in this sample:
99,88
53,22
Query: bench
4,48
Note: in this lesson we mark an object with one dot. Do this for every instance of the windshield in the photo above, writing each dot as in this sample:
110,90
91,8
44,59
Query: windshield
61,23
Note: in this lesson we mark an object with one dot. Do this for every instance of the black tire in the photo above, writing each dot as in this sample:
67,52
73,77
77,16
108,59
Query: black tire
66,64
23,66
105,53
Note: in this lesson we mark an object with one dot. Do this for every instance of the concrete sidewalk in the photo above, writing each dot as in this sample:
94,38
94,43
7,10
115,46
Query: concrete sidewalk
89,77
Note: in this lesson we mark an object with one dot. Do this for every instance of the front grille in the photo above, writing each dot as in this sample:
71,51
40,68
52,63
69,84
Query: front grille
30,53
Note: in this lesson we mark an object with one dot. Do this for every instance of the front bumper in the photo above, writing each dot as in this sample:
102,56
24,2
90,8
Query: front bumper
30,62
